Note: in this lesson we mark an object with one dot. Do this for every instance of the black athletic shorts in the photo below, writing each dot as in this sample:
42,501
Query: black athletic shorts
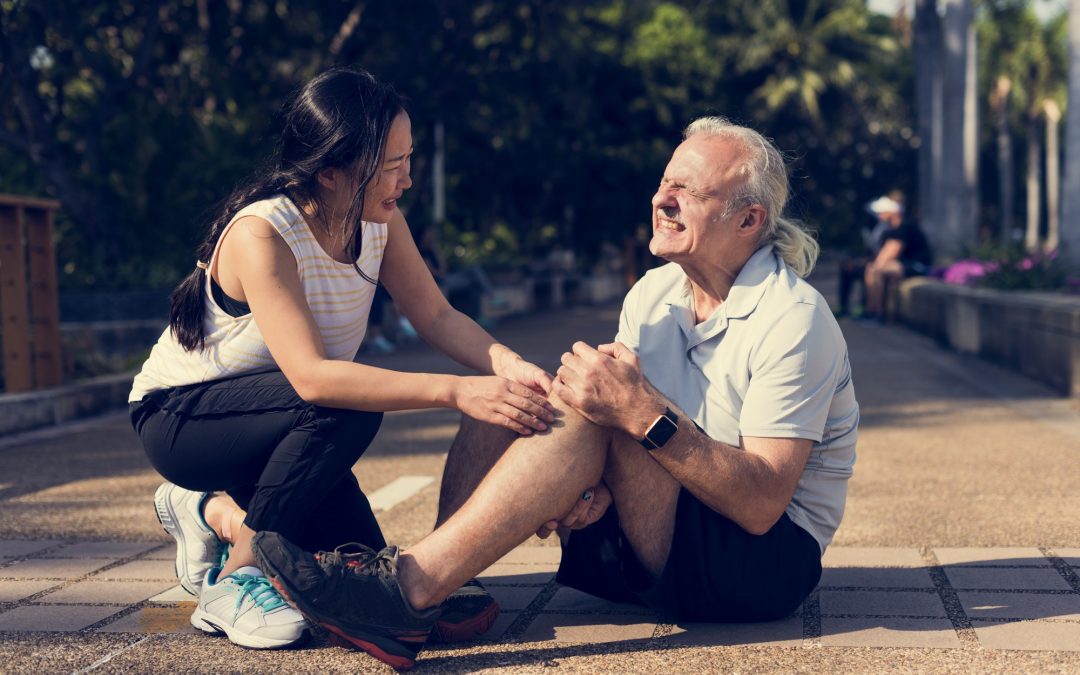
716,572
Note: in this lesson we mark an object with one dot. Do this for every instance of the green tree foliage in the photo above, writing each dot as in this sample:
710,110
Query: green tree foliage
559,117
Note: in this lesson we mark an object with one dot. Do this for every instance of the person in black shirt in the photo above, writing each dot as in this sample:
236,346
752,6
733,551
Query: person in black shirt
887,212
904,252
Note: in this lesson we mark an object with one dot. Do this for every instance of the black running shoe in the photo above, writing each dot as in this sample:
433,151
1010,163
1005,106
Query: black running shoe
467,613
352,592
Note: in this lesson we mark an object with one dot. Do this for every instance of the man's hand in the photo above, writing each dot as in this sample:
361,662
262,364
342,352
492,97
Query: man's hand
606,385
593,504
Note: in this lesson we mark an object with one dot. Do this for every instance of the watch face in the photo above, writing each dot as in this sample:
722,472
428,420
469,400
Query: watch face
662,430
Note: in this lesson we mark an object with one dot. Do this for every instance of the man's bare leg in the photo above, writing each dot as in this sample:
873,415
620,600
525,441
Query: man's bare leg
646,497
538,478
474,451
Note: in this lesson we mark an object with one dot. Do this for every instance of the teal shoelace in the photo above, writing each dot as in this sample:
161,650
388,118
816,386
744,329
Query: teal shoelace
261,591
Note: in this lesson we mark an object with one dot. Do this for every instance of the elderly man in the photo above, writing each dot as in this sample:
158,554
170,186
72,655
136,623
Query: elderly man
700,465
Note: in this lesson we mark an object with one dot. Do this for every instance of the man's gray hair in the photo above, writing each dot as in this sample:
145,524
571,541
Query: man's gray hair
765,183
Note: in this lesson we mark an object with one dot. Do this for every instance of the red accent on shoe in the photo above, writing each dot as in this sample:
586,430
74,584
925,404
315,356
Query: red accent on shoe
343,639
468,629
284,593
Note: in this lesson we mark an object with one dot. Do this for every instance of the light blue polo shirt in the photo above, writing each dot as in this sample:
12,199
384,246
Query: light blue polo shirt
770,361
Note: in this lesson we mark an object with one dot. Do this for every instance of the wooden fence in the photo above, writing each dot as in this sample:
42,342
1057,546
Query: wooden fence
30,325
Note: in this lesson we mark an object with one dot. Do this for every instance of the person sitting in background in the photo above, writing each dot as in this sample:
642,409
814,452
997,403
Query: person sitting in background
886,211
904,253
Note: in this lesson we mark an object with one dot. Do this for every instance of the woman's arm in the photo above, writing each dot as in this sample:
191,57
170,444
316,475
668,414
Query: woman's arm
266,270
418,297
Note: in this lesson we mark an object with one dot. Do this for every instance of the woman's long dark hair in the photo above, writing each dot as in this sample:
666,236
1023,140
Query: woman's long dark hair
340,119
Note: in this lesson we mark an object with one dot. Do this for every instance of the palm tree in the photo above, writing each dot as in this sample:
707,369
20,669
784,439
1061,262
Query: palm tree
1070,234
1053,175
927,55
1005,28
999,103
958,176
1044,70
802,48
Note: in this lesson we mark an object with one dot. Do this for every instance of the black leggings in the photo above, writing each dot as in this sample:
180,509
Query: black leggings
285,461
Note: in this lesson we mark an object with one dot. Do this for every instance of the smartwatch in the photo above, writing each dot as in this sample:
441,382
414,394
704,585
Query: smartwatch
661,430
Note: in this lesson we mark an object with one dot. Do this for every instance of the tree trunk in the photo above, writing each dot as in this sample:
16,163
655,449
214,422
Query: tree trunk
438,173
1053,176
1031,238
957,229
1000,103
970,215
1070,232
927,46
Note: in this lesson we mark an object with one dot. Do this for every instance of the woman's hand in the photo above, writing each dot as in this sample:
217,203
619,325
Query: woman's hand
506,403
532,376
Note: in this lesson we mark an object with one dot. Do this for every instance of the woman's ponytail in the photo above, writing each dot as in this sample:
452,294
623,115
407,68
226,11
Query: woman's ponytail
188,304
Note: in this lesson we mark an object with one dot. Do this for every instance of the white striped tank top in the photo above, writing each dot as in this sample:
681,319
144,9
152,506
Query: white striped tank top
339,297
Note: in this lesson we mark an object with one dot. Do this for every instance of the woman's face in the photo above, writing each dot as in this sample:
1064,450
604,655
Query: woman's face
392,179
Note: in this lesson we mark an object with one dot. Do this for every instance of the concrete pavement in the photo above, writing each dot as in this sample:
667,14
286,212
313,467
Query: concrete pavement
960,549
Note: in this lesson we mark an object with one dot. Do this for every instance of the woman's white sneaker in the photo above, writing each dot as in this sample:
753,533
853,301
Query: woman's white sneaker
245,606
197,547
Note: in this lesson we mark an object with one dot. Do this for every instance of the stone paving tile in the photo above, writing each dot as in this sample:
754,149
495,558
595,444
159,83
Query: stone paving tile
141,569
1020,605
168,553
13,591
174,594
783,633
888,632
991,557
882,603
1070,555
53,617
868,556
888,577
499,627
99,549
106,592
1028,579
548,556
592,628
573,600
154,620
1029,635
17,548
512,598
51,568
503,575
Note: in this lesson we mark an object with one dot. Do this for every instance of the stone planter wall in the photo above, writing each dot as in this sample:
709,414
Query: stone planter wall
1037,334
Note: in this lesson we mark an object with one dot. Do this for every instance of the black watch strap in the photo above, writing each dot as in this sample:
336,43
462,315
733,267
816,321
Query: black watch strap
661,430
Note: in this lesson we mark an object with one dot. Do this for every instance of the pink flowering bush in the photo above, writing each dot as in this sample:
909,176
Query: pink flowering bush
1008,269
966,272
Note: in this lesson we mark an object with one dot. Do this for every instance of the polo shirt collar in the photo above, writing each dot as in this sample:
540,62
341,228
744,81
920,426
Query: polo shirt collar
745,294
751,282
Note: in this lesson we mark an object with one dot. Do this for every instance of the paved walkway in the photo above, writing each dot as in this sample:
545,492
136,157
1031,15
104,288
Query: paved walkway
958,551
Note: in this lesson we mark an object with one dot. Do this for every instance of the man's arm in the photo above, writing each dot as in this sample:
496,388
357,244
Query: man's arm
890,251
752,485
